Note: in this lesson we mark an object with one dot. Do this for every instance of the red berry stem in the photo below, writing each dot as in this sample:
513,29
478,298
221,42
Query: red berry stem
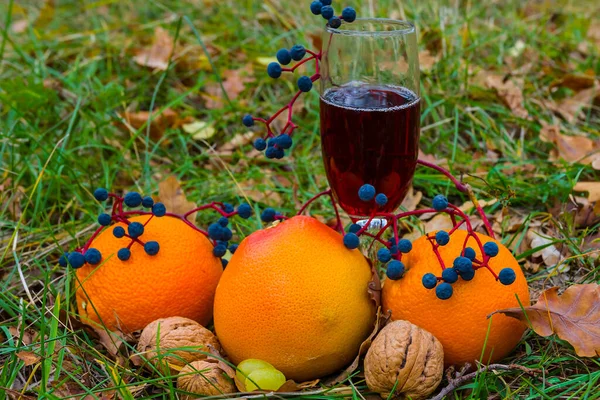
290,126
464,188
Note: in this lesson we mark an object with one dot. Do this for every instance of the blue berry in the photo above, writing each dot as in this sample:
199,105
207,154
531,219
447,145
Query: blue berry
469,275
228,208
449,275
76,260
381,199
124,254
405,246
215,231
268,215
223,221
147,202
384,255
507,276
271,152
491,249
224,263
429,281
349,14
135,229
219,250
335,22
63,260
394,249
133,199
354,228
227,234
284,141
151,248
279,153
469,253
274,70
440,203
159,209
233,248
244,210
271,142
260,144
101,194
104,219
93,256
304,84
442,238
327,12
297,52
284,57
443,291
326,2
463,265
247,120
366,192
315,7
395,270
118,232
351,241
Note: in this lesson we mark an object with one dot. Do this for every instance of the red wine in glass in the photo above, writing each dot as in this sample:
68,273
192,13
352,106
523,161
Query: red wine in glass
369,134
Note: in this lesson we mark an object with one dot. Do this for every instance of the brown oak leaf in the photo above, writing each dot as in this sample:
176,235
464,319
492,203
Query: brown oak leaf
574,316
509,92
172,196
157,56
572,149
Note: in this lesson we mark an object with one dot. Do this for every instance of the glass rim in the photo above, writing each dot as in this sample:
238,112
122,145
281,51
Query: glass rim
408,27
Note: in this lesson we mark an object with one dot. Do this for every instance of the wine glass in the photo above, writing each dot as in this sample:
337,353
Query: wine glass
370,112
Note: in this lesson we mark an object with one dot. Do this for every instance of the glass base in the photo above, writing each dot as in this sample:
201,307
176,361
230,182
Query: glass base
375,224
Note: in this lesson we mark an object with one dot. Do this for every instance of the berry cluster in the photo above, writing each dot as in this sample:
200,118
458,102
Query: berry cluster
464,266
273,144
218,232
390,255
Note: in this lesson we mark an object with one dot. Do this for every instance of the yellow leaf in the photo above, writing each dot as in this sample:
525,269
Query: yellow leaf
265,60
199,130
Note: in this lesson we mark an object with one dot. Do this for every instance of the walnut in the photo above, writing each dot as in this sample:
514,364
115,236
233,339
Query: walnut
405,353
204,378
190,337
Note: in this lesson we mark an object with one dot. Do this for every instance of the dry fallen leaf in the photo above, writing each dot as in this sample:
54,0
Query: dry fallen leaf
550,254
438,223
236,142
574,82
572,149
571,108
234,83
508,91
412,199
593,189
157,56
160,122
574,316
172,196
28,357
199,130
427,60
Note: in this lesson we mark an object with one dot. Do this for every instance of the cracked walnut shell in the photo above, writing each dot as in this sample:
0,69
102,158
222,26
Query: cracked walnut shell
204,378
180,341
405,353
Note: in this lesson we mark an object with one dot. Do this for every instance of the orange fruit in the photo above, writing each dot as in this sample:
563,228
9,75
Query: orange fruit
293,295
460,323
127,295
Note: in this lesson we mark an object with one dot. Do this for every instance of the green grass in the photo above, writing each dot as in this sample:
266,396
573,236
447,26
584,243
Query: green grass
57,145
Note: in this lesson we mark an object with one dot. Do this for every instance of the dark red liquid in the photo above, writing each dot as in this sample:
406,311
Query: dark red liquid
369,135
